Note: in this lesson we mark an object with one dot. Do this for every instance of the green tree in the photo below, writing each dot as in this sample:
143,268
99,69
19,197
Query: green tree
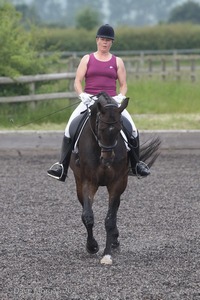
187,12
29,14
87,19
18,50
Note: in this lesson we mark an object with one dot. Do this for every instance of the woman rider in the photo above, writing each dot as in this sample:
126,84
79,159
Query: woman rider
101,70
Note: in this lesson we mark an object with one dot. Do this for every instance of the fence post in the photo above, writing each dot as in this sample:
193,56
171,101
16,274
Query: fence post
137,70
150,67
177,64
163,68
192,70
32,92
142,59
72,66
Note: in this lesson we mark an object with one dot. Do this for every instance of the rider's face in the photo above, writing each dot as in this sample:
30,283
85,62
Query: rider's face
104,44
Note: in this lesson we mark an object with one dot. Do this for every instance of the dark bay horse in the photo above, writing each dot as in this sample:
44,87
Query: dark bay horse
102,160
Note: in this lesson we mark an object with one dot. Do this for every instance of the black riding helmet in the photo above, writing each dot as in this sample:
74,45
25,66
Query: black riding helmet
106,31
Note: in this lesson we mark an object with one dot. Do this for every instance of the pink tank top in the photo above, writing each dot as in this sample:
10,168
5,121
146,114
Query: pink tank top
101,76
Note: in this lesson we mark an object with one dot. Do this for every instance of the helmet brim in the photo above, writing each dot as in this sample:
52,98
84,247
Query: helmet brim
105,36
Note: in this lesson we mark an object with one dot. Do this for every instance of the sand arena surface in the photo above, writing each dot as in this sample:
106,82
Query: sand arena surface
42,240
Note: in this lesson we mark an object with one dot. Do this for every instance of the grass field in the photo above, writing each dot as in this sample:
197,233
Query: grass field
153,96
154,104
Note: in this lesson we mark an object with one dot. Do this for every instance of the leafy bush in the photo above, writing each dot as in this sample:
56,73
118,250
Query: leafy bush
160,37
165,36
69,39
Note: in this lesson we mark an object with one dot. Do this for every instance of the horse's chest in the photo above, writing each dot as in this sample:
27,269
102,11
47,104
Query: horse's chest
104,175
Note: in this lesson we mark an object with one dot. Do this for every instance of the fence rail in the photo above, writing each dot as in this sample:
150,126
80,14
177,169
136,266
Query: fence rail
39,97
171,52
31,80
176,63
37,78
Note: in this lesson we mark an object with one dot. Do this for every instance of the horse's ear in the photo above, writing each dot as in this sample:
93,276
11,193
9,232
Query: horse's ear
123,104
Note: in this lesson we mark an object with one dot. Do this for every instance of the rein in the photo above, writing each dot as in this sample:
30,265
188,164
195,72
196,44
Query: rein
45,116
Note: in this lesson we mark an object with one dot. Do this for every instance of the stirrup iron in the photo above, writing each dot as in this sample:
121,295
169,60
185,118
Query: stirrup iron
57,164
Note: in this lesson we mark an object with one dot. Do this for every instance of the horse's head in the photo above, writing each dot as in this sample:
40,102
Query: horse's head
108,125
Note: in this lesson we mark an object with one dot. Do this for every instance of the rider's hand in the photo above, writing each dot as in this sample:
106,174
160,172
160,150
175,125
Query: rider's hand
85,98
119,98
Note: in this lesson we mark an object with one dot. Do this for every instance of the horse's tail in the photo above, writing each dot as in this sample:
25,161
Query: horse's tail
150,150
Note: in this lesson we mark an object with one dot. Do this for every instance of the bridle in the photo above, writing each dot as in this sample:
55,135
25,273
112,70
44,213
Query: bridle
105,148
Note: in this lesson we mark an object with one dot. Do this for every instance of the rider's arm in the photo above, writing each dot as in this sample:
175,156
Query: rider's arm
80,74
121,73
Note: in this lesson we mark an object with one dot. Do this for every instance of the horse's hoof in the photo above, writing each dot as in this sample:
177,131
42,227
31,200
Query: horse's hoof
92,248
106,260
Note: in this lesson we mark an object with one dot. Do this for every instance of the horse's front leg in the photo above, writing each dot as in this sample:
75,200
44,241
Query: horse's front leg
111,230
88,218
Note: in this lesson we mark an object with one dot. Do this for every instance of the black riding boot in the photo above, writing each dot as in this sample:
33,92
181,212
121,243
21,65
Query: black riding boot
138,167
59,169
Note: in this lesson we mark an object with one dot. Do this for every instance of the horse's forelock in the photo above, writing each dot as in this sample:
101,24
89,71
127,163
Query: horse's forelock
104,99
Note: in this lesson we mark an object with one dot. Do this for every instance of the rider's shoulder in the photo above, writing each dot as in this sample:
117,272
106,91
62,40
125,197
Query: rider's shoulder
85,58
119,59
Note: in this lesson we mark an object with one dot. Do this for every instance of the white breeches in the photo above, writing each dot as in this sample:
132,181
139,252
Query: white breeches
126,114
82,107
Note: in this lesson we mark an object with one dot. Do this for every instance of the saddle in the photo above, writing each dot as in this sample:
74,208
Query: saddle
77,125
79,122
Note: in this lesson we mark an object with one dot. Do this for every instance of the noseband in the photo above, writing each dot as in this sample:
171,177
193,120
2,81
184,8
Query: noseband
105,148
